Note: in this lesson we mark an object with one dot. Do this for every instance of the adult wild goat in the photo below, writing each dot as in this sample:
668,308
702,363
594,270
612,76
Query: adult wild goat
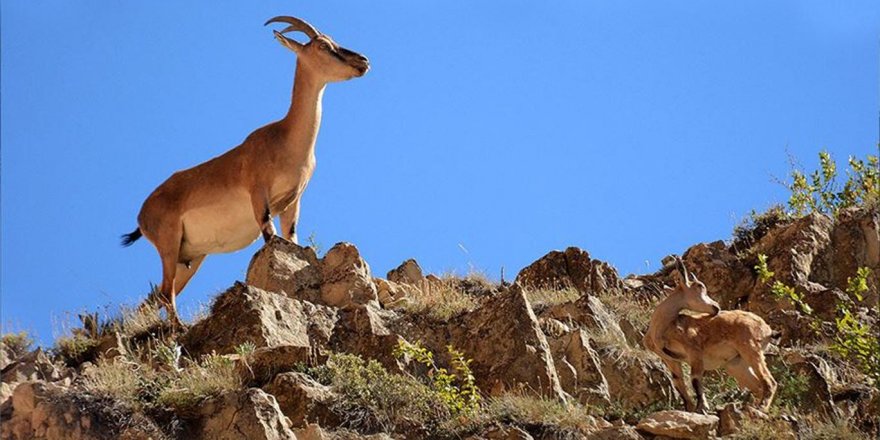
734,340
224,204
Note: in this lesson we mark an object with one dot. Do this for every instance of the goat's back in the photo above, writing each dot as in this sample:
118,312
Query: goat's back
731,327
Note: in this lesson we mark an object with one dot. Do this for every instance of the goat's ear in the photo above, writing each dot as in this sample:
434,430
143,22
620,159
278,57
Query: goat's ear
287,42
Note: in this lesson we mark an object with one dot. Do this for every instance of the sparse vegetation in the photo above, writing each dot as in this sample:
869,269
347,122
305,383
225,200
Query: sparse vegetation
439,300
819,190
17,343
793,387
552,416
374,399
456,389
186,388
854,338
780,290
545,297
757,225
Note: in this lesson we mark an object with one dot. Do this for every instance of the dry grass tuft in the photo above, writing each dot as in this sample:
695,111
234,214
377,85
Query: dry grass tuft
552,415
440,301
16,344
541,298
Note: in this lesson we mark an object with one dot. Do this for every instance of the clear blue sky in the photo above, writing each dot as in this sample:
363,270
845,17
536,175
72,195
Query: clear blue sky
631,129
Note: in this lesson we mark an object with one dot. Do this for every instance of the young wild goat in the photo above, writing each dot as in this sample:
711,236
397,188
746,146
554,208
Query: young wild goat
224,204
734,340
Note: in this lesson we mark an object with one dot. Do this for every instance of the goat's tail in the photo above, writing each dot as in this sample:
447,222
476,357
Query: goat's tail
129,239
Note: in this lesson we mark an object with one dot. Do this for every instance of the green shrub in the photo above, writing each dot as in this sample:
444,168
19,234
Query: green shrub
457,389
371,398
188,387
793,387
854,338
820,192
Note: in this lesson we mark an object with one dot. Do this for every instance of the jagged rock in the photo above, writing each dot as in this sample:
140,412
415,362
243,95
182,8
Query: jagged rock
679,424
409,272
578,368
731,418
589,313
790,251
44,411
855,243
34,366
248,314
570,268
251,414
507,346
635,377
389,292
361,330
303,400
281,266
265,362
346,277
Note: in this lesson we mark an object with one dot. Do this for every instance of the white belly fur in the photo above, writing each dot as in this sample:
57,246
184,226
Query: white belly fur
219,227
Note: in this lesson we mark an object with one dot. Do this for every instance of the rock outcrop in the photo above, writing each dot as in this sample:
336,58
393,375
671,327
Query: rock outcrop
570,268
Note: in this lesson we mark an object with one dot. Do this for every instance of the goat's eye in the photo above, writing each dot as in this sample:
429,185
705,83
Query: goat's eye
325,46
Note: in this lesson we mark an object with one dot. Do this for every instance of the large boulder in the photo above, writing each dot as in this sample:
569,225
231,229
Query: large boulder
340,279
246,314
409,272
250,414
635,377
508,348
855,243
679,424
362,330
570,268
45,411
346,277
579,368
284,267
588,313
303,400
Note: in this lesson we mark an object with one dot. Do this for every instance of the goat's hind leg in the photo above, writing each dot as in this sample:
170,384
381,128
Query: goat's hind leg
745,377
678,381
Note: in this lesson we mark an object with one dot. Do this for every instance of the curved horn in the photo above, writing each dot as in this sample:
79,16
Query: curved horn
295,25
683,270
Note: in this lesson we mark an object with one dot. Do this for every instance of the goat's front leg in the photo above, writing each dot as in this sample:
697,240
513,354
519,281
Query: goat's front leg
697,382
263,215
289,218
678,382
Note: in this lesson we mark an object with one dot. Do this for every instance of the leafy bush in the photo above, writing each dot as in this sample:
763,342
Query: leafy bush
780,290
372,399
457,390
854,338
792,386
820,192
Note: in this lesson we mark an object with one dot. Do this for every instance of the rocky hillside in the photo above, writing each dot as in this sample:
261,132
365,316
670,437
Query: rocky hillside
316,347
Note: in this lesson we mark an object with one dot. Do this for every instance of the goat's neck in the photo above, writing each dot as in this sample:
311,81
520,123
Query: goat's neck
304,117
664,316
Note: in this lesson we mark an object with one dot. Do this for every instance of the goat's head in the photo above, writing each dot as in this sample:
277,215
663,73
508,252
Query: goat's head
690,292
321,55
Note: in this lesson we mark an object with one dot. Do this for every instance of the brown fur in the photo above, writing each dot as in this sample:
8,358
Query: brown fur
733,340
226,203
